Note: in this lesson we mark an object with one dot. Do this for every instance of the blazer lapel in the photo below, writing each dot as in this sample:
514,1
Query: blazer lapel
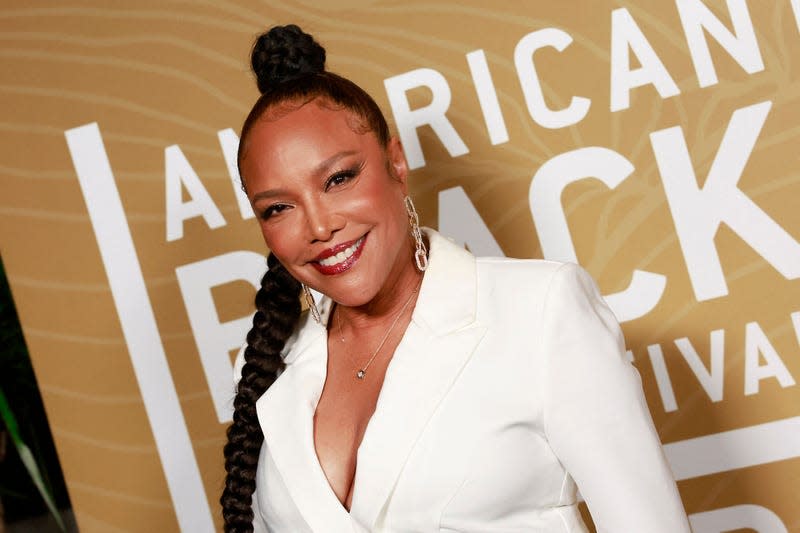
439,341
286,413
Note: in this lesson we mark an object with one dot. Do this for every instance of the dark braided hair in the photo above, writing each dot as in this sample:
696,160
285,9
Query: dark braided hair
278,310
289,67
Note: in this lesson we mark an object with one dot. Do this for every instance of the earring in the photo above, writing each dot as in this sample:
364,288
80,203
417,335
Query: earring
312,305
420,252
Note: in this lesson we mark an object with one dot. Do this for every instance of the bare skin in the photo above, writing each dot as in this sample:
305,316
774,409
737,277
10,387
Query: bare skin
316,183
347,404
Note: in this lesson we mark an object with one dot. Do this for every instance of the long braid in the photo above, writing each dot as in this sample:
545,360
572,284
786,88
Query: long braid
277,314
290,67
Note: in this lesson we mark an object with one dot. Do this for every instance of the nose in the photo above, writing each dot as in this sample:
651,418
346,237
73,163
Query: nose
322,222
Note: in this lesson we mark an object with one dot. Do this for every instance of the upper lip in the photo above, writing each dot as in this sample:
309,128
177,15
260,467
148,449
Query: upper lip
333,250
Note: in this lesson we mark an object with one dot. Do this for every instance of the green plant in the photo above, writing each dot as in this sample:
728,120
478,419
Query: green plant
32,475
28,459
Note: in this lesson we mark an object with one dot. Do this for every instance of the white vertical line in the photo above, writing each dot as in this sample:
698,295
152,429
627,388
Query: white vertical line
139,328
796,9
662,378
487,97
229,142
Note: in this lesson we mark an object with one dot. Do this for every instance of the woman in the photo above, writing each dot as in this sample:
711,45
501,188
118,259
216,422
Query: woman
431,391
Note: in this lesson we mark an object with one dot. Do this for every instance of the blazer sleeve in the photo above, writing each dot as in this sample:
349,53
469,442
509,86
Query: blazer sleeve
596,418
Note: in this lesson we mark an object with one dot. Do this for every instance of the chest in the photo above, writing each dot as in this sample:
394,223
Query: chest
342,414
477,457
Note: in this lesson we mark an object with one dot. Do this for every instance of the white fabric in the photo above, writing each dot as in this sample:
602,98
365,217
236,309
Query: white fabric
510,383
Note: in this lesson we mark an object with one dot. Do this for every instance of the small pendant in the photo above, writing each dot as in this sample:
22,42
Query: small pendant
361,373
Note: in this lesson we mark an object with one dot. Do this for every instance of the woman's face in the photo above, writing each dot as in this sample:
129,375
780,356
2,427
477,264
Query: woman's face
330,208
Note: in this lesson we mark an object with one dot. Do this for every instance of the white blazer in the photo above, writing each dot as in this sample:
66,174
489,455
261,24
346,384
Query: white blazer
508,392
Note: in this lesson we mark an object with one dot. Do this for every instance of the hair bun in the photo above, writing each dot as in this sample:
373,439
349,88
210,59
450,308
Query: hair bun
285,53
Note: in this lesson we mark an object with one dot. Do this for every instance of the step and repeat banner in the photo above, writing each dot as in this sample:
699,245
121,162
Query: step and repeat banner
655,143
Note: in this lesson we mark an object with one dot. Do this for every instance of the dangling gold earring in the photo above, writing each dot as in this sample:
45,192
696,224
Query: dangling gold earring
420,252
312,305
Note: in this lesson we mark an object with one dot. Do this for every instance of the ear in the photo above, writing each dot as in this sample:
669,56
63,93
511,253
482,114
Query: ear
396,158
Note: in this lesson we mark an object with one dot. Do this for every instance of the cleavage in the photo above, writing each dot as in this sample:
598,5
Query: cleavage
343,412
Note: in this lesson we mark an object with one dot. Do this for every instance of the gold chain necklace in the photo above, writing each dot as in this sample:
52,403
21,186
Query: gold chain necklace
362,372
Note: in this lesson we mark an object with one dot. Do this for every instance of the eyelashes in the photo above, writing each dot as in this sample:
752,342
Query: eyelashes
337,179
343,176
273,210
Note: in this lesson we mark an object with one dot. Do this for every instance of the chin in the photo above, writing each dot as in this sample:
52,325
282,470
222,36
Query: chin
353,295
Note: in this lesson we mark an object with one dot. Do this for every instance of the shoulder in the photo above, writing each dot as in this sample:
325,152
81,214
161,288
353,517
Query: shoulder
510,266
504,278
550,290
452,255
529,275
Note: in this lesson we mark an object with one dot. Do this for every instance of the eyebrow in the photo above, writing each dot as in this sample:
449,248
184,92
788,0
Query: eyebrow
319,169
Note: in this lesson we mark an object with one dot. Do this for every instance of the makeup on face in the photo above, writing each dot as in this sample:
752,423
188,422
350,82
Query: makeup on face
339,258
328,207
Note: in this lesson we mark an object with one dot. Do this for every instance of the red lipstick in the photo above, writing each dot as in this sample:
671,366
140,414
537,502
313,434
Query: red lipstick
345,263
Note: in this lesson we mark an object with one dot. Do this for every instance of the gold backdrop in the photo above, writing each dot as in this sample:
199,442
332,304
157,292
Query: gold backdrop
672,128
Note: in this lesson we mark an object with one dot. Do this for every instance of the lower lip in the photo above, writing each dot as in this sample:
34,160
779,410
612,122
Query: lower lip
338,268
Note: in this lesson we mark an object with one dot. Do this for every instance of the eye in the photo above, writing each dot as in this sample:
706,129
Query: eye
274,209
343,176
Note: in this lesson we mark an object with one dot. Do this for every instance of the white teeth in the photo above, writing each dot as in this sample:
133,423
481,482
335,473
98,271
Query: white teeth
341,256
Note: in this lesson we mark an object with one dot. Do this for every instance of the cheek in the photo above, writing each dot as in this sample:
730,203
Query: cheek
385,201
392,219
397,210
279,241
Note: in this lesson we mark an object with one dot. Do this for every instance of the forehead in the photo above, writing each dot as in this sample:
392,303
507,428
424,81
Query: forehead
298,136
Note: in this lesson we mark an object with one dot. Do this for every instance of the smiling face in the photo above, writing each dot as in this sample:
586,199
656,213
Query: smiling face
329,199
